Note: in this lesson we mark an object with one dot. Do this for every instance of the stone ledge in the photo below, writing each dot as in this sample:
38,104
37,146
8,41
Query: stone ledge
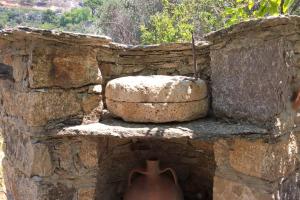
202,129
57,36
179,46
253,25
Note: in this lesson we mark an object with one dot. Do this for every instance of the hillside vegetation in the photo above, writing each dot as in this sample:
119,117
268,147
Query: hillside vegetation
42,4
139,21
78,19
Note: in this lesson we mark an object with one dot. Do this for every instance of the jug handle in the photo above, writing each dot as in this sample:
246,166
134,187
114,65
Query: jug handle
140,171
172,172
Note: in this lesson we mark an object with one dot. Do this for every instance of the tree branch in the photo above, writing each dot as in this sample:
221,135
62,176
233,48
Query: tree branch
281,7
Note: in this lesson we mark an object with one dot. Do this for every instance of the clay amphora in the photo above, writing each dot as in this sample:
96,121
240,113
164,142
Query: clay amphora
153,184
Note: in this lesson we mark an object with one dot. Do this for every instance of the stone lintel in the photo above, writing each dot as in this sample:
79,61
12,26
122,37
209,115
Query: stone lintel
202,129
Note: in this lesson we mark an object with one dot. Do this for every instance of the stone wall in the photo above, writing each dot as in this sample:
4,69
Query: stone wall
255,78
256,169
47,80
50,80
59,146
255,71
167,59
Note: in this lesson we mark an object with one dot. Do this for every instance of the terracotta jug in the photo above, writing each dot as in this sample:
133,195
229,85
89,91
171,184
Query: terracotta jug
153,184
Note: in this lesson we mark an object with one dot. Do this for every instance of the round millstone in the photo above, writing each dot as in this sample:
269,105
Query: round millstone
158,112
157,99
156,88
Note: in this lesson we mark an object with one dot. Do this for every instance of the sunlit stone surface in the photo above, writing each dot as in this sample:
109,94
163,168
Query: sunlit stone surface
157,98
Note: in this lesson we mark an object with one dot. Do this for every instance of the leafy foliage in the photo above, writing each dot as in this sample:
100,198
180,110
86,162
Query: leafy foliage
93,5
172,24
49,17
177,21
75,16
151,21
14,17
246,9
78,19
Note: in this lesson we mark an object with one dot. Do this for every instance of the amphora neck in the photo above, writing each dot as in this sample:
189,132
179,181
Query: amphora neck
153,167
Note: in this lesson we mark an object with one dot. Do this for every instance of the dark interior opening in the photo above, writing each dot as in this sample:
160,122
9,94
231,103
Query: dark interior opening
193,162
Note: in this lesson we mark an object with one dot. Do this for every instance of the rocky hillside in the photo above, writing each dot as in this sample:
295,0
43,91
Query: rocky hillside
63,5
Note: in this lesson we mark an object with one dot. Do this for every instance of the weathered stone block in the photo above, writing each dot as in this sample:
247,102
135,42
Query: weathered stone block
88,153
18,186
221,153
225,189
109,70
33,159
266,160
61,192
64,155
253,83
287,188
86,194
74,157
297,60
55,66
297,46
42,164
41,107
20,67
90,102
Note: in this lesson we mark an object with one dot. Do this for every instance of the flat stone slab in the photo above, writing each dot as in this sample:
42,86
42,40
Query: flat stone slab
202,129
22,32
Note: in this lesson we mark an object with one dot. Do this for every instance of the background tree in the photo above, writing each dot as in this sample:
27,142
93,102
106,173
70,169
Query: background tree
246,9
75,16
121,19
151,21
174,23
49,16
93,5
177,21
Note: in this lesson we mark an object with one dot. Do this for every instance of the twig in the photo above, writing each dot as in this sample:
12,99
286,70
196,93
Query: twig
194,57
281,7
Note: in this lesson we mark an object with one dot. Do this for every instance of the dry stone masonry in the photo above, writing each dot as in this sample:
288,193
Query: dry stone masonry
62,144
259,61
116,60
